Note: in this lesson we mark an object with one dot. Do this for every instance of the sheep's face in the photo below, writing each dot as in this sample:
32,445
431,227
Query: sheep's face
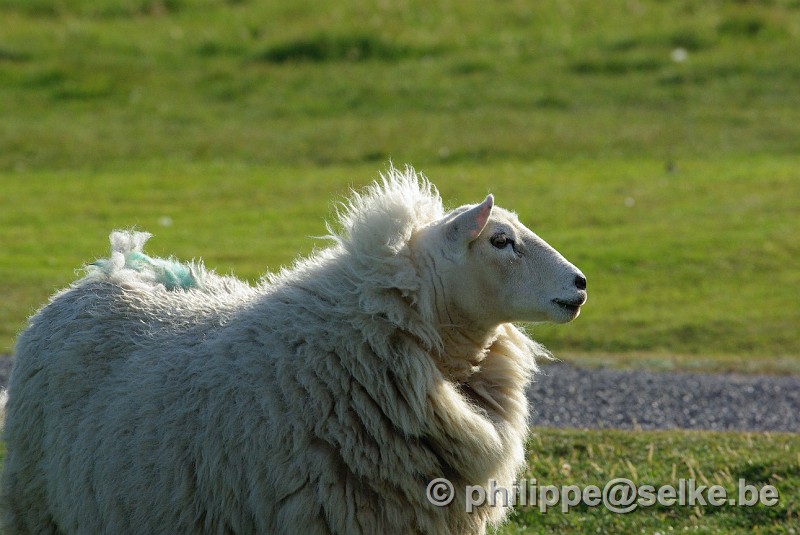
492,269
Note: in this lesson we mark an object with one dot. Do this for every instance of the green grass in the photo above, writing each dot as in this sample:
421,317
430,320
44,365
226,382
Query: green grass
658,458
241,121
683,267
229,128
94,84
673,185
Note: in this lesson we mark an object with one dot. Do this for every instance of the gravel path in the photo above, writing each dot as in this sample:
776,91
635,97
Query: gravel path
566,396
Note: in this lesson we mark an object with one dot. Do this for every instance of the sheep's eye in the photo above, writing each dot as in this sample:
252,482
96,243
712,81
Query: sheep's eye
500,241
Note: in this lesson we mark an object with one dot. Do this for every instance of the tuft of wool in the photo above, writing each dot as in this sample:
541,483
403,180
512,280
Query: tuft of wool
127,253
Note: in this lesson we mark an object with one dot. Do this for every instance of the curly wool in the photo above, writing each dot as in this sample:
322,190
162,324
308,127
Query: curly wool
315,402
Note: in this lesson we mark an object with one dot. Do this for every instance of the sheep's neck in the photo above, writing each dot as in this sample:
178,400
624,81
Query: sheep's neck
464,350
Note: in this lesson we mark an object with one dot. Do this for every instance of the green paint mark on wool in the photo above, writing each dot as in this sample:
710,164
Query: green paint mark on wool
172,274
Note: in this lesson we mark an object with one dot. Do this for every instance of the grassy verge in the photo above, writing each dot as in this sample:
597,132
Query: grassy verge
582,458
666,361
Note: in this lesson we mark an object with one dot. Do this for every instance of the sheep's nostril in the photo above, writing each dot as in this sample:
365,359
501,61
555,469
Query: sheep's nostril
580,282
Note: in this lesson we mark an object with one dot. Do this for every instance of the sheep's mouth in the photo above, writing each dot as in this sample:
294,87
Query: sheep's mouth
572,305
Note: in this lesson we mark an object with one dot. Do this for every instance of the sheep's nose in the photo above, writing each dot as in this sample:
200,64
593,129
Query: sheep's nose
580,282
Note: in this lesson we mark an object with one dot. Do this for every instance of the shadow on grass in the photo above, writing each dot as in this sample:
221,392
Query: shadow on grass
332,48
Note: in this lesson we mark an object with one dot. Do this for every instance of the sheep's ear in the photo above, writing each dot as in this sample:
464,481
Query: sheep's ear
467,226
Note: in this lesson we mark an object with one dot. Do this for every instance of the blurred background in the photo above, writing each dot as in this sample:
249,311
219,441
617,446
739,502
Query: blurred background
655,144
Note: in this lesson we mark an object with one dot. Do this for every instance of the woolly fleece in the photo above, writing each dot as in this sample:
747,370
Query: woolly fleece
153,397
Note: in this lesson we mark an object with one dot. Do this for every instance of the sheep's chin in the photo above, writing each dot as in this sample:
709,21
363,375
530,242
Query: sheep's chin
564,312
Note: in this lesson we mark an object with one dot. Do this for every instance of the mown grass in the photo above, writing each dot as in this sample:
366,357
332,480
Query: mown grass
93,84
692,262
658,458
671,183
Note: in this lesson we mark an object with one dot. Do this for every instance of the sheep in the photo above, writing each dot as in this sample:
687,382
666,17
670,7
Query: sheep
158,397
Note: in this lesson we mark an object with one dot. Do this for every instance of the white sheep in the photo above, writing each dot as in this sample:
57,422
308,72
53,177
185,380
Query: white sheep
156,397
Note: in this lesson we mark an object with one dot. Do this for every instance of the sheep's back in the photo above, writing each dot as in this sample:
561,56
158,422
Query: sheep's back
96,377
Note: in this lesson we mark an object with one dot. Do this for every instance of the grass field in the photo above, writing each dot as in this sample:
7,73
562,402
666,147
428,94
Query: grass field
696,263
90,84
655,144
568,457
672,184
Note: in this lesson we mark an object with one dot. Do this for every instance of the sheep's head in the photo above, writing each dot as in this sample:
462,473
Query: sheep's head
490,269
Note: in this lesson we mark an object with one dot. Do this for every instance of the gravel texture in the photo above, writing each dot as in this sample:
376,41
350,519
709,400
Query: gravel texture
566,396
